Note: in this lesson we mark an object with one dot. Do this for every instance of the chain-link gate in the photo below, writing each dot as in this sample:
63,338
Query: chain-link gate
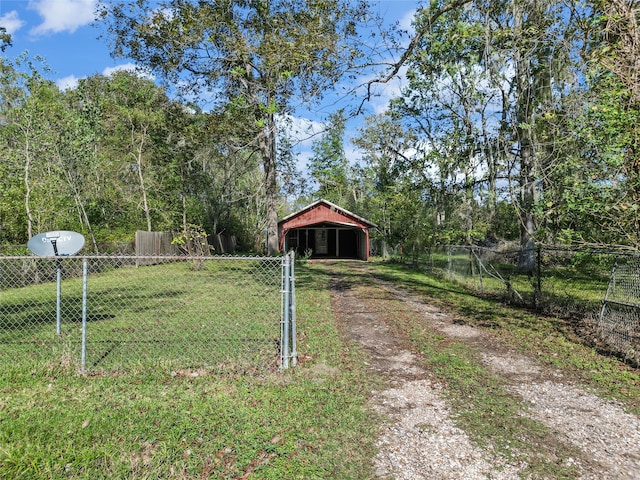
619,319
114,313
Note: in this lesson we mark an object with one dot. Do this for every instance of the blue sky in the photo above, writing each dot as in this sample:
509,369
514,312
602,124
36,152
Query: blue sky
61,32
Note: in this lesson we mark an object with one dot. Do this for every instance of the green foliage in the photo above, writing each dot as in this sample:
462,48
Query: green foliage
192,241
329,167
115,155
255,57
512,123
5,39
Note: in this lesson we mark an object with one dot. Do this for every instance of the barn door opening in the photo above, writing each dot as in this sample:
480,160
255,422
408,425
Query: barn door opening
322,244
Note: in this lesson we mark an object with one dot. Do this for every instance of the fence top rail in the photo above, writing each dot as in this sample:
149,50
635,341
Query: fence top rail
547,248
144,257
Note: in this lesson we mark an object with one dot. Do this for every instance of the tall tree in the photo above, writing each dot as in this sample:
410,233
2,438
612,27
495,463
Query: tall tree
506,59
614,55
393,200
328,165
253,54
135,133
446,100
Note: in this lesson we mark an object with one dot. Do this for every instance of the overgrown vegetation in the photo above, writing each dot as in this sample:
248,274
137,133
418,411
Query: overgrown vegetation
515,122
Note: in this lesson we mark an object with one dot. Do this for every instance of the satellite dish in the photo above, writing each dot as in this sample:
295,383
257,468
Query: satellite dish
59,243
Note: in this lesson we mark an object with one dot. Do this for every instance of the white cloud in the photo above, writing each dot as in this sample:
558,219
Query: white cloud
67,83
301,130
71,81
406,21
381,93
128,67
11,22
62,15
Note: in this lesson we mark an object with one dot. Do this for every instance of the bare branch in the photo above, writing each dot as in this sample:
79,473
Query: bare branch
415,41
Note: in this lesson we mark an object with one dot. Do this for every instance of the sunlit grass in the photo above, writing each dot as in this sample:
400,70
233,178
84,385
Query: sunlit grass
309,422
213,314
481,402
553,340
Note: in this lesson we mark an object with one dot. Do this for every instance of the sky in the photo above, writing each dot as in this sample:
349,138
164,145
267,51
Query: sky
62,32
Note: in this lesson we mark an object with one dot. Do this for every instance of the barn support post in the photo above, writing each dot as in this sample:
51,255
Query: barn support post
367,244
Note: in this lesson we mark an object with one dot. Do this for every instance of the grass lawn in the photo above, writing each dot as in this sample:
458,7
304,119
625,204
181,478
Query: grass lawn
552,340
221,314
309,422
480,400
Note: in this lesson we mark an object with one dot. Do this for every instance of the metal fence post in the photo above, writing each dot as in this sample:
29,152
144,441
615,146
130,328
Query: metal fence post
58,296
294,353
537,296
83,360
480,266
606,295
284,350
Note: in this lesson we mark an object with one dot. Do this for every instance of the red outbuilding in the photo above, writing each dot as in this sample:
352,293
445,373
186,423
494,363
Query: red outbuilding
324,229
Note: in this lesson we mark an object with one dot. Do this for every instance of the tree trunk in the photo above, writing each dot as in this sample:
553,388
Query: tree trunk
267,142
143,188
526,263
27,186
525,102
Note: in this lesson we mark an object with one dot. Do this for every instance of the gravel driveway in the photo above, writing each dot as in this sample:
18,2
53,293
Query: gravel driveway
420,440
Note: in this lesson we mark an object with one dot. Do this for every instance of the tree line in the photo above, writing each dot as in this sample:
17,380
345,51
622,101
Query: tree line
115,155
518,120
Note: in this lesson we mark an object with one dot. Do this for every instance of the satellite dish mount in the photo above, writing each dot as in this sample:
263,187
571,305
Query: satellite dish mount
61,243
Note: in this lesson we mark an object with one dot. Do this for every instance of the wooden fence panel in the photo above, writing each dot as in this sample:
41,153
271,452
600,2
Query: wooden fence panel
155,243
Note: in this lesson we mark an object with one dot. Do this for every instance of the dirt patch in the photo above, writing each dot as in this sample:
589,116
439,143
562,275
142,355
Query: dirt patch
421,440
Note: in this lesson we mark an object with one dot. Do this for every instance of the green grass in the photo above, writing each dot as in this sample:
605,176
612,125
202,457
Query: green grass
308,423
565,287
219,314
552,340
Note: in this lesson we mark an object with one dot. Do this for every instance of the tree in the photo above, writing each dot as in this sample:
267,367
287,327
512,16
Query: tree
12,218
611,122
446,101
33,130
329,166
393,201
5,39
254,55
131,148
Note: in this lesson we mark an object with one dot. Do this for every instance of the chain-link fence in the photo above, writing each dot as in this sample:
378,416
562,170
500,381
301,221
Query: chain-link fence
114,313
563,282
